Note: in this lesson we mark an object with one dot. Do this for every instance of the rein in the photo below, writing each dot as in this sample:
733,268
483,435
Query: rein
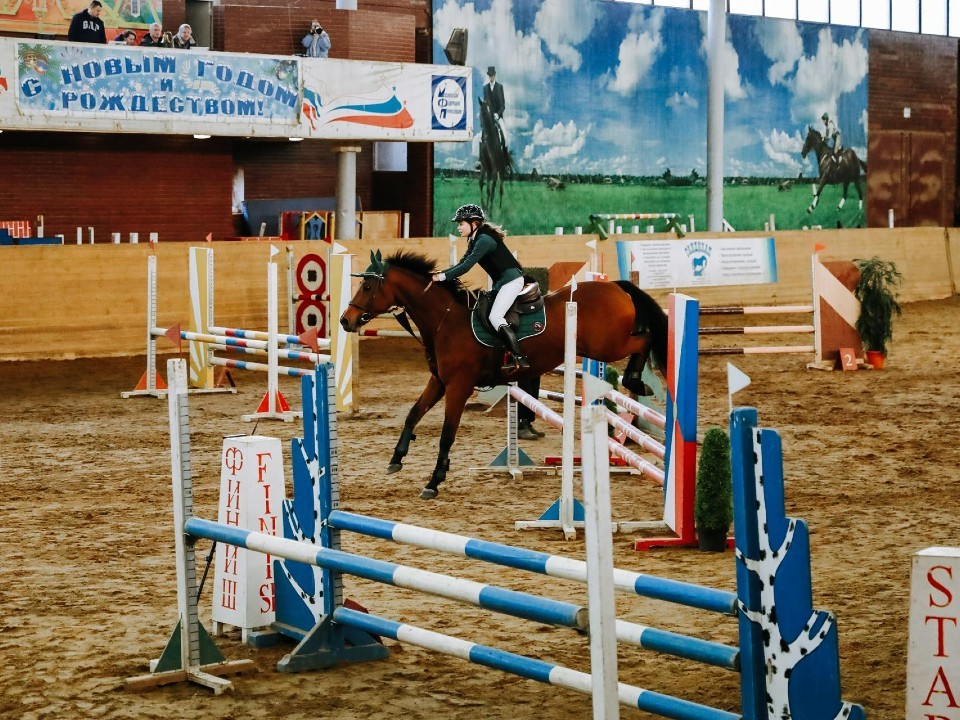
401,316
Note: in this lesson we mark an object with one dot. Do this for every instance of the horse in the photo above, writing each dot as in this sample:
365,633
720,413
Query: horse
496,163
614,320
845,169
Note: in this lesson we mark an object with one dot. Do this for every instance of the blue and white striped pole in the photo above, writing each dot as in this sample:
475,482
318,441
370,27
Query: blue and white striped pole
527,667
490,597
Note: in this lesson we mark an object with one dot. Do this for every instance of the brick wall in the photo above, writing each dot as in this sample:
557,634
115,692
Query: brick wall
912,161
178,187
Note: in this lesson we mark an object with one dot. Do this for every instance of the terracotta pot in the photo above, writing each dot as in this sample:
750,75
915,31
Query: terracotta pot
711,540
874,358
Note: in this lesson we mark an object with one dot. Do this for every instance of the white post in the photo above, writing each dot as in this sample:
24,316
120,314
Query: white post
453,249
578,230
619,229
692,225
116,238
273,386
890,217
80,235
558,230
610,227
569,409
134,238
154,237
635,229
292,291
599,551
40,226
773,222
650,229
406,225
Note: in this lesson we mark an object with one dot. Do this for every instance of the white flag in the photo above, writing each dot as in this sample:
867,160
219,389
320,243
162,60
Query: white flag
274,251
338,248
592,244
736,380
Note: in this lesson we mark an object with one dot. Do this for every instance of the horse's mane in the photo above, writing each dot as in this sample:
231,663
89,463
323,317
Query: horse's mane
419,264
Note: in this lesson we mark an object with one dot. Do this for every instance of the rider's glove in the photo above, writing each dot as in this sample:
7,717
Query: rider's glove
439,277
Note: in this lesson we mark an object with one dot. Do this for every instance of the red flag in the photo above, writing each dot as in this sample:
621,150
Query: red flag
817,247
209,237
173,335
309,338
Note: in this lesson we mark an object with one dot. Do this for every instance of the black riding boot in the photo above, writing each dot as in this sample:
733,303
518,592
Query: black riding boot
513,345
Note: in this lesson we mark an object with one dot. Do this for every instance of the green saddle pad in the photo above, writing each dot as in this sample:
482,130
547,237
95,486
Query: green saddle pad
530,325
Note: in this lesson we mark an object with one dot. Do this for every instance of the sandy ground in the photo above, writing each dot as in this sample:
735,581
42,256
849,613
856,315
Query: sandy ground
86,541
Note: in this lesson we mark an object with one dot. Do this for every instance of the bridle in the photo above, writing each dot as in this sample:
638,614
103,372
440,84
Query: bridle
365,314
399,312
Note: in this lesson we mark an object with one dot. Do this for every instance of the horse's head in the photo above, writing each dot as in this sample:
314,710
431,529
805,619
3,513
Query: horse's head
382,290
373,297
813,142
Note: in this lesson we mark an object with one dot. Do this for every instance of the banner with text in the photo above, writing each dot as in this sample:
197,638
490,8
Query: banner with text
661,264
72,86
102,81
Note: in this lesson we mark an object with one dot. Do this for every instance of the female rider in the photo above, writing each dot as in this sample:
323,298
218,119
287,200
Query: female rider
486,248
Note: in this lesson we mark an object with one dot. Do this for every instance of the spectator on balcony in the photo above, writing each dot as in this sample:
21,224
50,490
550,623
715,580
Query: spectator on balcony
183,40
87,27
127,37
317,41
156,37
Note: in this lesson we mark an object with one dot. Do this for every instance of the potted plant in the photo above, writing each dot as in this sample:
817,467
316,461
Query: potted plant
713,504
877,291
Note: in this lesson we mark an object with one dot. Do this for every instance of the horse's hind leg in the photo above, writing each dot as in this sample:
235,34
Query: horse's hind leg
428,398
453,410
633,372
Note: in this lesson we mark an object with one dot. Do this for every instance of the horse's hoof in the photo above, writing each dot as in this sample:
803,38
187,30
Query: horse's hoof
428,494
394,467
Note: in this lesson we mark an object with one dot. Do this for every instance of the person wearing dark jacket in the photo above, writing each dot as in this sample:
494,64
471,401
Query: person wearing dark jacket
486,248
156,37
87,26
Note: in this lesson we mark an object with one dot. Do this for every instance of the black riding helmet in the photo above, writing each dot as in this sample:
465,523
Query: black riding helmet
468,212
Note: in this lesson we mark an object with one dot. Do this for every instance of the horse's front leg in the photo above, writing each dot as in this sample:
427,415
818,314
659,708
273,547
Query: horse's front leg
428,398
454,403
817,189
846,187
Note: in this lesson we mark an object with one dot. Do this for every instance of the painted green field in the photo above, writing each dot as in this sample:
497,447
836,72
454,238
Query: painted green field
531,208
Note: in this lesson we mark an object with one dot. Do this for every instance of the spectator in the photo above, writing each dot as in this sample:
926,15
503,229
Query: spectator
317,42
156,37
127,37
183,40
87,27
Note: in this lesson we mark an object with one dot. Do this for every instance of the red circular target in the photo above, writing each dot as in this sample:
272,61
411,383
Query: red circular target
312,276
312,314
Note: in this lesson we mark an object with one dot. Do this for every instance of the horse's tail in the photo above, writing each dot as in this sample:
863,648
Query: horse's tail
651,318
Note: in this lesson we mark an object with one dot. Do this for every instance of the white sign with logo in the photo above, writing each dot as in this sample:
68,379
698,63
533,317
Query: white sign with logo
251,492
699,262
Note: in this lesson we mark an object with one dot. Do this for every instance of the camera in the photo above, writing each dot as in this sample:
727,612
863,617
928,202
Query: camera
316,29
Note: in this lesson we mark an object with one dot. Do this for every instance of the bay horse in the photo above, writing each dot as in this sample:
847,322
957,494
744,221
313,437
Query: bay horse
614,320
496,163
845,169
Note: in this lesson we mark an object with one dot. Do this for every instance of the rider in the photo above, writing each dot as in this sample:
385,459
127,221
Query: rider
487,248
831,133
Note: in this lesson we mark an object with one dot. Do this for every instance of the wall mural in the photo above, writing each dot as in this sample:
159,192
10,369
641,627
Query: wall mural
52,17
588,107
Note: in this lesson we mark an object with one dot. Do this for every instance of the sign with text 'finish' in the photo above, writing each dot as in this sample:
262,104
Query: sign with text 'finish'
251,492
933,657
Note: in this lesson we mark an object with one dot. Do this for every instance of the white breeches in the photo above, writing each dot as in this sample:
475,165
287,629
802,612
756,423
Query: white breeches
505,297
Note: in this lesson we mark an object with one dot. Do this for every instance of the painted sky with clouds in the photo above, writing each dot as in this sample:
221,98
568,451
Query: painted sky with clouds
616,88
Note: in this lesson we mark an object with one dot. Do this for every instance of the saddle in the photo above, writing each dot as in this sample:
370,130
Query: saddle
526,316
